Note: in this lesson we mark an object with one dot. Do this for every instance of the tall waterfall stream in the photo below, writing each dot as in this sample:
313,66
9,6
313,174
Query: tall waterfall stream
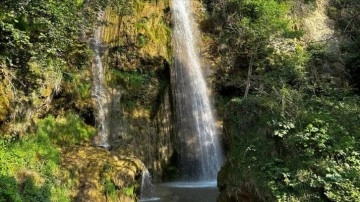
200,150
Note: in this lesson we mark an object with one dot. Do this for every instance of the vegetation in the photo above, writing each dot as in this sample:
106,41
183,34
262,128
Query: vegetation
40,49
291,108
45,92
291,125
30,167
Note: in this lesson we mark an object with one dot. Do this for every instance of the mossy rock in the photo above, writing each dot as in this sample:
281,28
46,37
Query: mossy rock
147,29
99,175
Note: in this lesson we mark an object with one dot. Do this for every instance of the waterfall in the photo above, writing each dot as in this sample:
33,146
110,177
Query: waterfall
147,187
99,92
200,155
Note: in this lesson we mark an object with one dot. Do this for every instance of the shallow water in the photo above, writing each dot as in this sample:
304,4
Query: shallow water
185,192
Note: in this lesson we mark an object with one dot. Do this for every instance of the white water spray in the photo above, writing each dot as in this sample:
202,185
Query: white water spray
200,150
147,187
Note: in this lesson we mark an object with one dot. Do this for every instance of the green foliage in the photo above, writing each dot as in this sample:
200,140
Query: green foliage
8,189
132,81
308,157
135,83
254,22
37,40
63,131
33,161
129,191
110,189
296,136
32,193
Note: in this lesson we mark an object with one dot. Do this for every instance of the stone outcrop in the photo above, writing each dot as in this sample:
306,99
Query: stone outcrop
99,175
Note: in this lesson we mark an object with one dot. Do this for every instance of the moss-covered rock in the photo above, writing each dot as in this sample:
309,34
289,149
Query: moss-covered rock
136,54
99,175
4,103
145,29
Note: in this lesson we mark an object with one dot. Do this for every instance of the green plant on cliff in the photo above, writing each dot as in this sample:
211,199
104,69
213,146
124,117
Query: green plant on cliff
66,130
30,166
33,163
36,40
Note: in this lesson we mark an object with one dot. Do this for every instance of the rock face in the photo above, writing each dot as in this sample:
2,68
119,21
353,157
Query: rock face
244,192
136,53
99,175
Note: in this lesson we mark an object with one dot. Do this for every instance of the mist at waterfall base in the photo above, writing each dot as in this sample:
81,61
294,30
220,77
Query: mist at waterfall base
147,187
200,153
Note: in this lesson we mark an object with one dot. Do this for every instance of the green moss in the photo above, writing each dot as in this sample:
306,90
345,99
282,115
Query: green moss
110,189
131,81
128,191
65,130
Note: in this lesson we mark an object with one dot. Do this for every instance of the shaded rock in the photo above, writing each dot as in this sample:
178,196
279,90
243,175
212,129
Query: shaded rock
240,190
236,180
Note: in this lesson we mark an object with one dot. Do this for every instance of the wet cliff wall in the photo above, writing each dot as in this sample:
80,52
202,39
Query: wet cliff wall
137,57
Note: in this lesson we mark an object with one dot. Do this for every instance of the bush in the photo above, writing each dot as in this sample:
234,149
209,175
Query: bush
312,156
8,189
32,193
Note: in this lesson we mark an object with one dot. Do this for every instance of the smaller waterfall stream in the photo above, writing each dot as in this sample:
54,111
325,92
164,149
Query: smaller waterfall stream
147,187
99,92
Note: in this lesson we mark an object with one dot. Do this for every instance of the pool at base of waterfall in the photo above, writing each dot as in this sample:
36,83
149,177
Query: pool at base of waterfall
185,192
202,184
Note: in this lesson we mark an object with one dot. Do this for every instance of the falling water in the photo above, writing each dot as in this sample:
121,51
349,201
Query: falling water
99,92
147,187
200,150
